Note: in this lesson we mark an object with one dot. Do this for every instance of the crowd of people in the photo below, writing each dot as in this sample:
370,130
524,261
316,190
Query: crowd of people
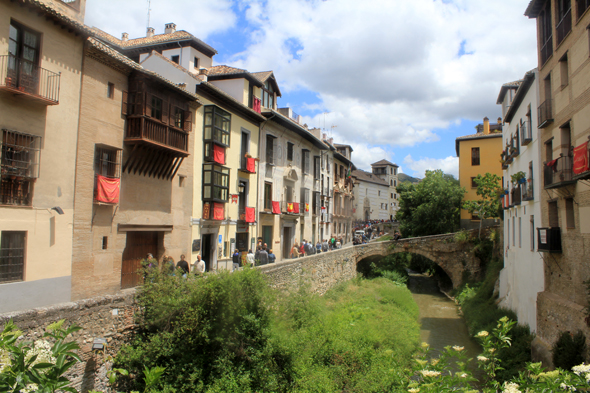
307,248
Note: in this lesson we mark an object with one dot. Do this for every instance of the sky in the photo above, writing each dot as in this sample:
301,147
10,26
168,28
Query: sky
395,79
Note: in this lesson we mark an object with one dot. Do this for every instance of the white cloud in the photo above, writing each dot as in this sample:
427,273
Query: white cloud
449,165
363,155
199,17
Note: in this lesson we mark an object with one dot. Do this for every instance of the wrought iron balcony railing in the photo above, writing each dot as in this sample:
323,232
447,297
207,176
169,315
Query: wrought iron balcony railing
526,133
564,26
21,76
547,49
545,113
559,172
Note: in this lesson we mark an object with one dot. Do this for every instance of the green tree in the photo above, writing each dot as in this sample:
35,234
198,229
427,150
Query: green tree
489,190
430,207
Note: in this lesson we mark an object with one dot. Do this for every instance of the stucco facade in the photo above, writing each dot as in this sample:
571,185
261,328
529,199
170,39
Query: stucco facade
522,276
371,197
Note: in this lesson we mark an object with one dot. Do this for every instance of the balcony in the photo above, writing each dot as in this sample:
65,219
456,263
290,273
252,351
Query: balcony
559,172
564,26
527,190
527,133
547,49
148,131
22,77
549,240
515,196
291,208
545,113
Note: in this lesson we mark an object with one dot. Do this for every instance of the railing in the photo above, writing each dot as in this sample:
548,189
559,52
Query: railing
24,77
527,190
526,133
560,173
515,196
547,49
16,191
145,128
545,113
564,26
285,207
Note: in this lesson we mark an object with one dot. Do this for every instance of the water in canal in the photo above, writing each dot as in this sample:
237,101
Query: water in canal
440,322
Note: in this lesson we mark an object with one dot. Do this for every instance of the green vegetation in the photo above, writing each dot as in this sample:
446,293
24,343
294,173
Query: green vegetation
489,189
569,350
430,207
232,333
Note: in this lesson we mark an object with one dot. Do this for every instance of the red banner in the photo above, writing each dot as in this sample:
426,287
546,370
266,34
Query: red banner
290,207
581,158
218,211
218,154
307,207
276,208
251,165
256,104
206,211
250,214
107,190
295,208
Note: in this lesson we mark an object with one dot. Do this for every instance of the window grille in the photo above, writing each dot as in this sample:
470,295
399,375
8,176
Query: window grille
12,256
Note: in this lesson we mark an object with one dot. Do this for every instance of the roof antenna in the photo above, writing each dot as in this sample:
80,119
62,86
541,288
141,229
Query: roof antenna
149,11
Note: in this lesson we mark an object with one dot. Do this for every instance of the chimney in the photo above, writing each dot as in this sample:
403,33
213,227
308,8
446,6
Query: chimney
170,28
486,126
499,120
182,85
124,37
150,32
324,136
203,72
331,140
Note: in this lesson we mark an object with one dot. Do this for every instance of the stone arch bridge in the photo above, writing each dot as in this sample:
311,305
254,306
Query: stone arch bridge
322,271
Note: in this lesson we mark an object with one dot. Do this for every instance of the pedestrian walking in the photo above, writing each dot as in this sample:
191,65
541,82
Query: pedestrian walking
271,257
199,266
236,260
325,246
183,264
250,258
295,250
263,256
318,247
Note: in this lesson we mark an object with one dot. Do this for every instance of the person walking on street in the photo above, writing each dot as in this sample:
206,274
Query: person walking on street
271,257
199,266
295,250
236,260
263,256
325,246
250,258
318,247
302,249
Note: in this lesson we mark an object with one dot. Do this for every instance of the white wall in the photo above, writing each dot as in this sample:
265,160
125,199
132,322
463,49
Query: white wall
233,87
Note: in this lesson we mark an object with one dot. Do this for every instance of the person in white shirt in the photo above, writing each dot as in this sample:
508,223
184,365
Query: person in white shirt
250,258
199,266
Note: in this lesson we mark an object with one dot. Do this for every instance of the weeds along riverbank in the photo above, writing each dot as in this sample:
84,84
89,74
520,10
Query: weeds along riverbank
233,333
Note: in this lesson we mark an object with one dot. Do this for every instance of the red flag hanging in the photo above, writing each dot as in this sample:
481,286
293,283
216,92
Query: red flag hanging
256,104
218,211
250,214
218,154
251,165
307,207
295,208
276,208
581,158
107,189
290,207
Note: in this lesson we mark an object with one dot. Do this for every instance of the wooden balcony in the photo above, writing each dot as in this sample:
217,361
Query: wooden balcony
144,130
26,79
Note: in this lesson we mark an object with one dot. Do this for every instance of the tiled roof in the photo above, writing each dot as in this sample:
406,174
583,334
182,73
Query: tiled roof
179,35
361,175
513,84
262,76
94,43
384,162
48,9
505,87
480,135
225,70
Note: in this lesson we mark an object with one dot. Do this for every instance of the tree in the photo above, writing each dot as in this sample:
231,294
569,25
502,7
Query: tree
430,207
489,190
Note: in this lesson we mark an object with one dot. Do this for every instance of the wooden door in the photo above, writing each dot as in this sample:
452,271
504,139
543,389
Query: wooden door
138,245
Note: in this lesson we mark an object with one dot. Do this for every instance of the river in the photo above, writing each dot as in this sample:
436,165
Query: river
441,324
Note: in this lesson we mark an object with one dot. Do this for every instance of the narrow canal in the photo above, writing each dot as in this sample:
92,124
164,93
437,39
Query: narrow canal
441,323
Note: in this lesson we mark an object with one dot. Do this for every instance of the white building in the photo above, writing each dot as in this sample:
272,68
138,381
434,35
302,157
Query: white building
522,276
371,196
387,171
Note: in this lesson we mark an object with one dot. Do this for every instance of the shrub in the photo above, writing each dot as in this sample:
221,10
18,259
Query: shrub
569,350
462,237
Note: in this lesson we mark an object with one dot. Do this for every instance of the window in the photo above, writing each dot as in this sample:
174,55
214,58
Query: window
395,183
395,196
178,117
549,150
244,149
475,156
111,90
268,97
12,256
563,71
196,63
304,200
215,183
564,17
268,196
582,7
289,151
107,161
305,161
473,183
532,234
545,33
519,232
156,108
181,180
270,149
569,213
105,242
217,125
391,182
175,59
19,166
392,195
23,57
514,231
316,167
553,215
378,193
474,217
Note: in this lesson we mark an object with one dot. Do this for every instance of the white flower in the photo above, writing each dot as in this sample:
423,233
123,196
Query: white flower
31,387
464,375
430,373
42,349
4,359
414,390
482,358
511,387
567,387
458,348
483,333
581,368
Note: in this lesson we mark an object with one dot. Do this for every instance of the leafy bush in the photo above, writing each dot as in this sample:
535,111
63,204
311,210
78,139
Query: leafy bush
465,294
569,350
462,237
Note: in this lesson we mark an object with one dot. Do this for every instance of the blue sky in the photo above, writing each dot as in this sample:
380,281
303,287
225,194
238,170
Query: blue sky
398,79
